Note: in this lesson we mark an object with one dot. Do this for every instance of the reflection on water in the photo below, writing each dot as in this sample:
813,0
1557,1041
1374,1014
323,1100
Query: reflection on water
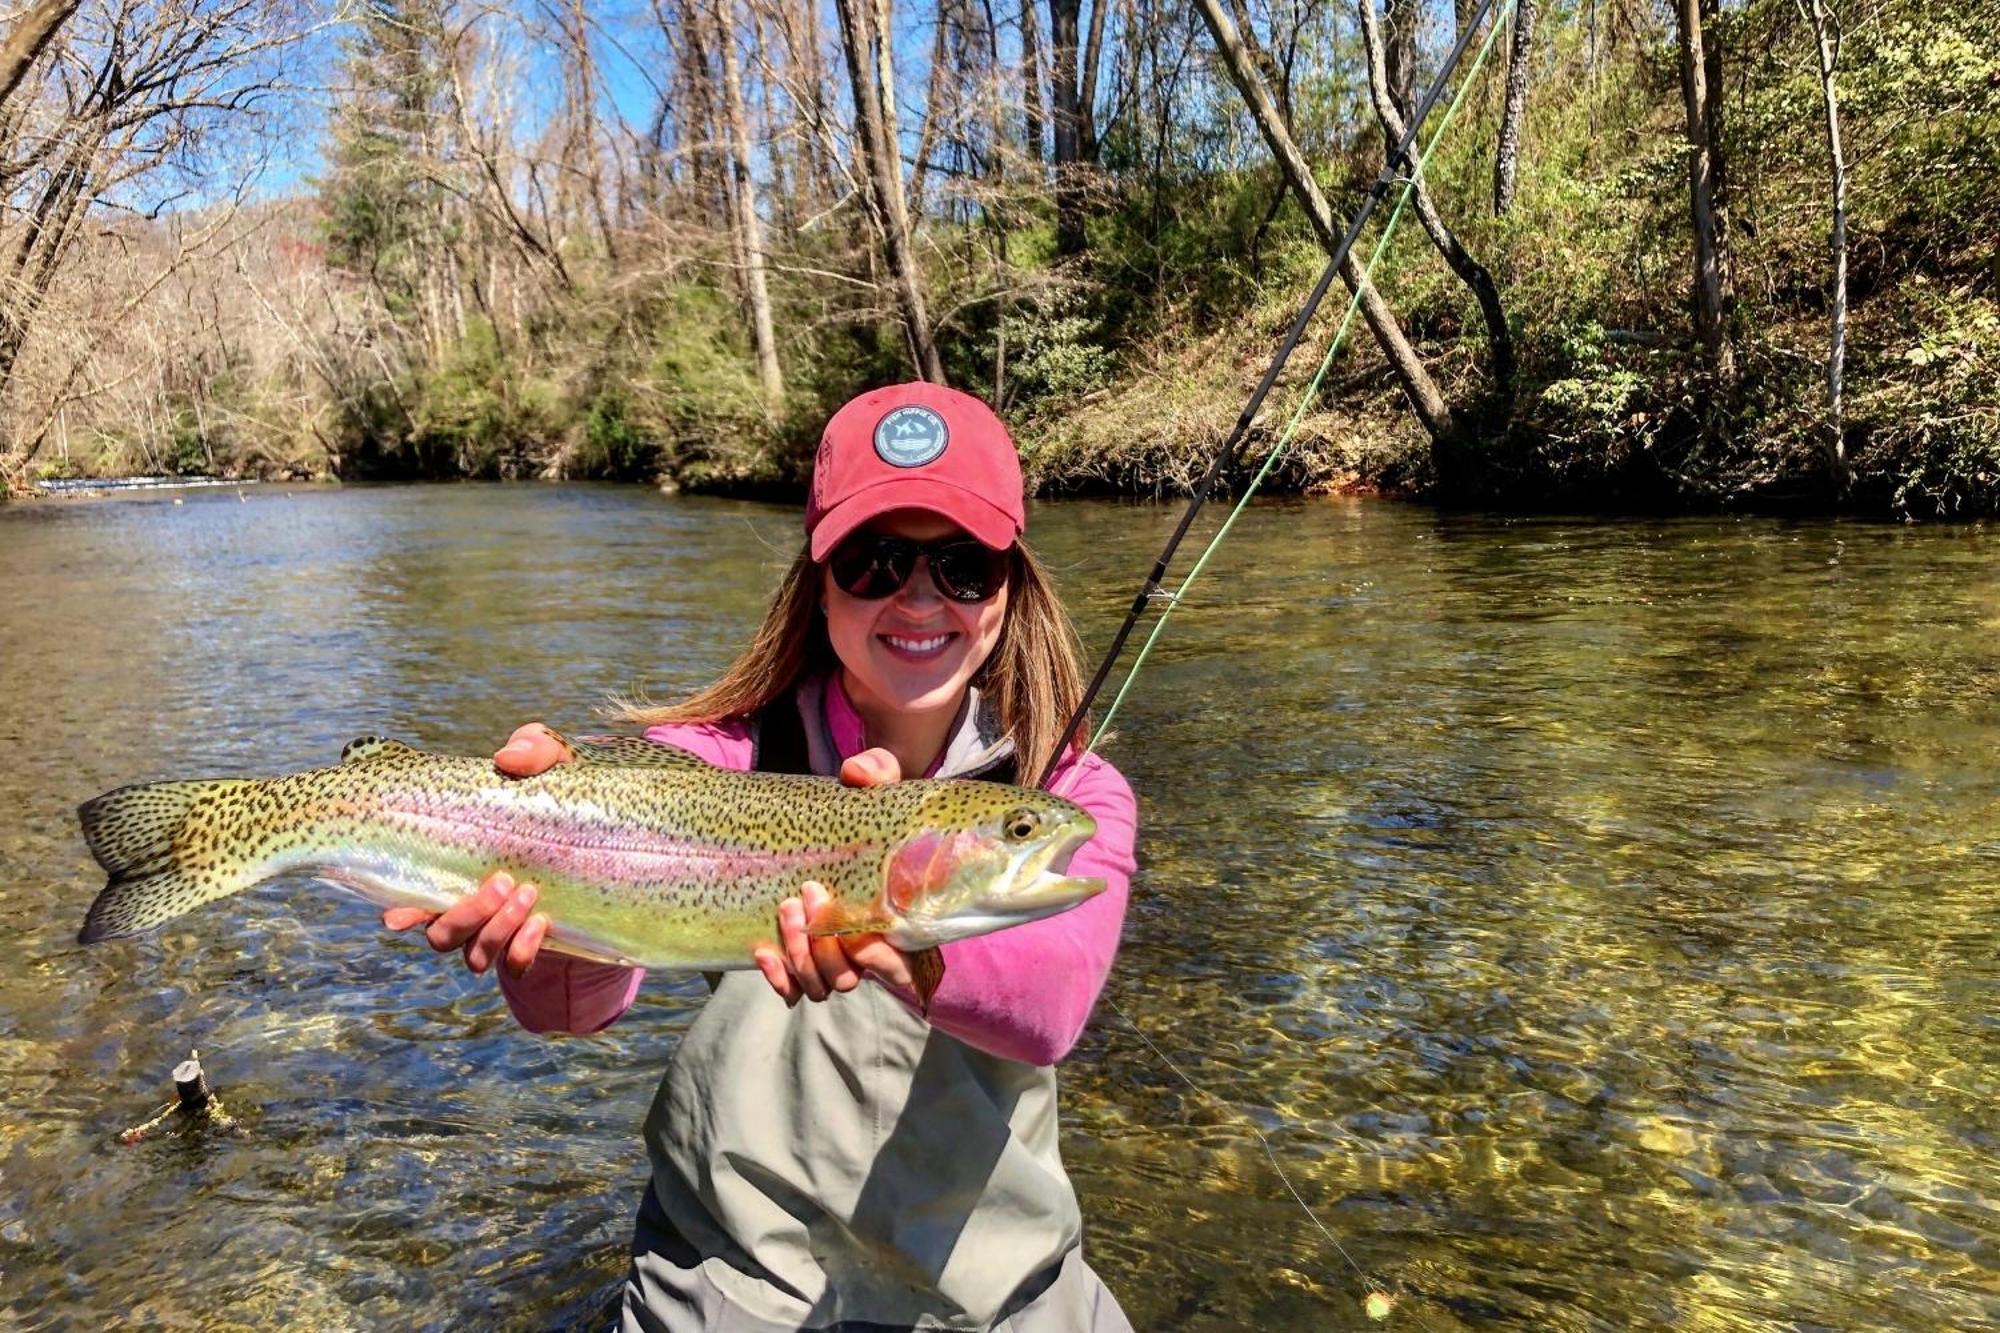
1596,917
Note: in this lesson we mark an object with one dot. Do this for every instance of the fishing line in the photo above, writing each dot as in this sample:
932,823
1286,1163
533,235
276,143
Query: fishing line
1367,1278
1152,590
1171,601
1389,175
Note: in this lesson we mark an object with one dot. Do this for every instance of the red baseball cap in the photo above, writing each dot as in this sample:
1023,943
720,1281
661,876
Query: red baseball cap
916,446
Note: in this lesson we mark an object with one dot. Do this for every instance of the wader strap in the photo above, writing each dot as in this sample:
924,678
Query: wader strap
778,744
778,738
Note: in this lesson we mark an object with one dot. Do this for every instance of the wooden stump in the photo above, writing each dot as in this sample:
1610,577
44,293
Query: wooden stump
192,1085
195,1104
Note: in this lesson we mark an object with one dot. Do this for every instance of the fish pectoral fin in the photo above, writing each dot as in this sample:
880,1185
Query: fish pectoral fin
625,752
582,944
926,965
368,747
927,974
840,918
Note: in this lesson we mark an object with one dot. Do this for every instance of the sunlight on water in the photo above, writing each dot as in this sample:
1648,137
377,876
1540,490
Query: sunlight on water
1596,917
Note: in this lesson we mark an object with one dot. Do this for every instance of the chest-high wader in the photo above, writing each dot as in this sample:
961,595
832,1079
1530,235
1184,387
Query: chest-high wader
778,743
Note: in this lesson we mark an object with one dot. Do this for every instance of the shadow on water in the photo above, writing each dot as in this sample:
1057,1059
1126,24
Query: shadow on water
1596,916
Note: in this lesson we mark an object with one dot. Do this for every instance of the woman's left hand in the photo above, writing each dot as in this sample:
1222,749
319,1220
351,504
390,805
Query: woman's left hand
815,966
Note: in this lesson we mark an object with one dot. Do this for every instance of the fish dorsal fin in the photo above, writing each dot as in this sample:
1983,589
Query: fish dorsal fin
626,752
368,747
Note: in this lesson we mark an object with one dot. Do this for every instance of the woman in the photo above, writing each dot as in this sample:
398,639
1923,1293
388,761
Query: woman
850,1163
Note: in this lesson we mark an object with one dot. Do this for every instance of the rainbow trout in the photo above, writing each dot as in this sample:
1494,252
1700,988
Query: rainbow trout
644,854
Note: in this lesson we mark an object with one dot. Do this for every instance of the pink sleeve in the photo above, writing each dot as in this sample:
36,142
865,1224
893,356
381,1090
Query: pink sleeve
1025,993
561,993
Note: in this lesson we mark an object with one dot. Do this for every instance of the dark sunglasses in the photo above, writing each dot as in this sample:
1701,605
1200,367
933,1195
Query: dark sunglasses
870,566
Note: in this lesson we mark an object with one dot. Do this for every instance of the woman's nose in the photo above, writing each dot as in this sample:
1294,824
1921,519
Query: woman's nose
920,588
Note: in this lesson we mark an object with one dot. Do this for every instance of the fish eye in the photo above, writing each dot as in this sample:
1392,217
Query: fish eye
1021,823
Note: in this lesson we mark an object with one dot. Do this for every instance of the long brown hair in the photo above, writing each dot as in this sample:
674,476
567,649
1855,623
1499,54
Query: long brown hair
1031,676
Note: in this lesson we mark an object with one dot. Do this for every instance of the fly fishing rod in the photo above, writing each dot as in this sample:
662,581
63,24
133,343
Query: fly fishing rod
1393,170
1380,1300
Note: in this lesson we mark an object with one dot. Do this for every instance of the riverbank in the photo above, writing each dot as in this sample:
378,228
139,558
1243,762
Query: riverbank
1542,342
1620,434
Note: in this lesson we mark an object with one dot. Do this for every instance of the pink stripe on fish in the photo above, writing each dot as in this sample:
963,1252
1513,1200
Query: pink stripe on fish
604,853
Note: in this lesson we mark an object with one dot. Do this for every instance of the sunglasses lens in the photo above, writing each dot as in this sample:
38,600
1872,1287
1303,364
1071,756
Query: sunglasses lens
966,571
871,567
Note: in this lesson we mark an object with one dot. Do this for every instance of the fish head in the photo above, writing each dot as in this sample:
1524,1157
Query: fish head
981,856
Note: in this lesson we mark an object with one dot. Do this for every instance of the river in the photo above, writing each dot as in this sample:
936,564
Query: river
1597,918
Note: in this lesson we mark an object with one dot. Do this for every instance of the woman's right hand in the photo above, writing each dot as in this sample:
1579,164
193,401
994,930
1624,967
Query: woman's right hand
495,922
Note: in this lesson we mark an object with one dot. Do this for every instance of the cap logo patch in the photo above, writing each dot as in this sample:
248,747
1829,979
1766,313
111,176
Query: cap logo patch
910,437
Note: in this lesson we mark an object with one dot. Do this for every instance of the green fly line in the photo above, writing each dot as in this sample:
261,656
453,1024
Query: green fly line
1378,1303
1172,600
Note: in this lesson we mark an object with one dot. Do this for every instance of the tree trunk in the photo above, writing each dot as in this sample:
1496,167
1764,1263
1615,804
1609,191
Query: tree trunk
1469,270
1507,154
876,167
1267,65
1031,83
885,102
31,34
1708,291
1400,20
747,222
1826,41
583,126
1416,382
1063,90
1086,97
48,238
934,92
784,160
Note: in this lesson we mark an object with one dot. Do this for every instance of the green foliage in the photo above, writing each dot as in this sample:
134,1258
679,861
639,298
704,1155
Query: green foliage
1928,423
476,415
1123,364
383,213
614,447
187,452
1057,358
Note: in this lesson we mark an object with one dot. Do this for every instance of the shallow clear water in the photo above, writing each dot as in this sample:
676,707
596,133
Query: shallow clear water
1597,917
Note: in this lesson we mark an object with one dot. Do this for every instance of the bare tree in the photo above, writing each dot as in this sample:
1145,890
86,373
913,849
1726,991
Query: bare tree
864,46
1507,152
140,89
1826,44
1415,381
28,37
1708,258
1031,82
746,220
1469,270
1071,85
1401,20
129,108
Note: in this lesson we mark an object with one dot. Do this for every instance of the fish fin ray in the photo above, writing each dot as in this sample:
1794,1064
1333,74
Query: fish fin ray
926,974
626,752
136,835
841,918
582,944
368,747
131,830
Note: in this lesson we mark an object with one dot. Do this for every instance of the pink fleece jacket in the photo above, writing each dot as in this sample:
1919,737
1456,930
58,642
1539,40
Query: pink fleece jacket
1023,993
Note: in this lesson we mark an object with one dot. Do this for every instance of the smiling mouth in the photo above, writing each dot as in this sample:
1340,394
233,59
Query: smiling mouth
918,647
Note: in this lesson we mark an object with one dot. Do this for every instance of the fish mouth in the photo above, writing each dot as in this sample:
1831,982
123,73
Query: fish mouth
1048,893
1042,885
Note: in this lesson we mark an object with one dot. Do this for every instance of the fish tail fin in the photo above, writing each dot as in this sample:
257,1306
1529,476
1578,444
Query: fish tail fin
139,835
